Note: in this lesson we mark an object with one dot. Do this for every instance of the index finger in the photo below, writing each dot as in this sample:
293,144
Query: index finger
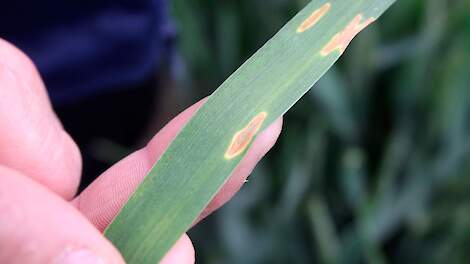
32,139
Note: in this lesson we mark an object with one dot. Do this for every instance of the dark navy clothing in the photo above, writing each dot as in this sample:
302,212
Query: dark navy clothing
85,47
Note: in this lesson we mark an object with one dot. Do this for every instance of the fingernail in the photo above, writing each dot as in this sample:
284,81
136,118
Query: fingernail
76,256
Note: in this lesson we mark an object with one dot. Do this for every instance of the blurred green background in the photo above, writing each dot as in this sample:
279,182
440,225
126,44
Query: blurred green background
373,165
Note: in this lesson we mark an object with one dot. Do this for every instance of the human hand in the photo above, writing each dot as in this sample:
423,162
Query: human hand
41,220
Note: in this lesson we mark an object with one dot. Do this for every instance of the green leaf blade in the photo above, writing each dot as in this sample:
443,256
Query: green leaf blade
193,168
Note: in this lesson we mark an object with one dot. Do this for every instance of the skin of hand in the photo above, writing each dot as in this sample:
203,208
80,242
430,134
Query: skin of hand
41,218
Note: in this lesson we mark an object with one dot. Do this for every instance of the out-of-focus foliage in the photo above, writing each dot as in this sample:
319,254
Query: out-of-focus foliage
373,164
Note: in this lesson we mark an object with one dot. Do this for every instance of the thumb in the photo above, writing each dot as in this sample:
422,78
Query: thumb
37,226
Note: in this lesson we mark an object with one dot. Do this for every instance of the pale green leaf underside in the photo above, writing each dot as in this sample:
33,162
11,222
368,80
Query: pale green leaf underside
193,168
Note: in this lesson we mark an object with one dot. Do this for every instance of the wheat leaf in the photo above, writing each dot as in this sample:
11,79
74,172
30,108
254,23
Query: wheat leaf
209,147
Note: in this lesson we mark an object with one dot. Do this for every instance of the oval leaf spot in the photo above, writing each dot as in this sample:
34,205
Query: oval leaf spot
342,39
243,138
314,18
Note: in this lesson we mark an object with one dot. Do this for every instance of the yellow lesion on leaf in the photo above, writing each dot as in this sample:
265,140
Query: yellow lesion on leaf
314,18
342,39
242,139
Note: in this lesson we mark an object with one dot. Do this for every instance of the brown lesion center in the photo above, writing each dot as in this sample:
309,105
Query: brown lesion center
242,139
342,39
314,18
